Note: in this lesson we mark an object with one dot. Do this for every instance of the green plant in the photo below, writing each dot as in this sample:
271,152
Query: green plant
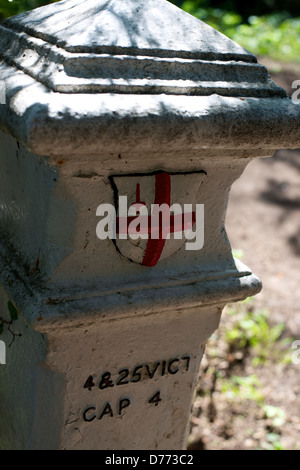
13,7
272,442
252,330
275,35
276,414
238,254
234,386
243,388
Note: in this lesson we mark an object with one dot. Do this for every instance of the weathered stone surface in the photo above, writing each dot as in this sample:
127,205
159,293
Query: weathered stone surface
96,91
155,28
125,82
55,250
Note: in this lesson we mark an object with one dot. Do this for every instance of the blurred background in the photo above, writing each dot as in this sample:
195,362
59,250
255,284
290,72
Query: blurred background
248,393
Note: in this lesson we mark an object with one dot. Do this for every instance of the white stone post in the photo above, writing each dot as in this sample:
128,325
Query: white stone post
104,337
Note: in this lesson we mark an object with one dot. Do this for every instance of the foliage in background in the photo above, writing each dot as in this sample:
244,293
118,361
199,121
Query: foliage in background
276,35
231,391
250,330
246,9
13,7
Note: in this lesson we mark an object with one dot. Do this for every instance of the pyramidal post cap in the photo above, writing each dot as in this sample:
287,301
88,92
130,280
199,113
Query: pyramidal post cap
130,46
153,27
98,50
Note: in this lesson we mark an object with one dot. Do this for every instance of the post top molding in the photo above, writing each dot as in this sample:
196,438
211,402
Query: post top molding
130,46
78,73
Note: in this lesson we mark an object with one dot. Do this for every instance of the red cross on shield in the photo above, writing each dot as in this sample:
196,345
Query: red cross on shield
157,202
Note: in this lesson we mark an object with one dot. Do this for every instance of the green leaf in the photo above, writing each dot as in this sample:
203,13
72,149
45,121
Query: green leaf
12,311
276,413
238,254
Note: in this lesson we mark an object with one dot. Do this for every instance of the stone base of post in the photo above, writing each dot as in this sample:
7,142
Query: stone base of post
97,381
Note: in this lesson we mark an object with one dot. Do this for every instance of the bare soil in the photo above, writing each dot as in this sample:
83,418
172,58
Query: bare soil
263,220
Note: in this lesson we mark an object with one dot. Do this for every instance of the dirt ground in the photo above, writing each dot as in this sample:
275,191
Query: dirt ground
263,221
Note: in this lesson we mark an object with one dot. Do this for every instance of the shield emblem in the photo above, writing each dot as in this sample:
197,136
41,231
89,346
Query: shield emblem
155,225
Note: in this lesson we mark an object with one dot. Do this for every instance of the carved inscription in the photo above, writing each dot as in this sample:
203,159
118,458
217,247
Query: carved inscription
89,413
127,375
